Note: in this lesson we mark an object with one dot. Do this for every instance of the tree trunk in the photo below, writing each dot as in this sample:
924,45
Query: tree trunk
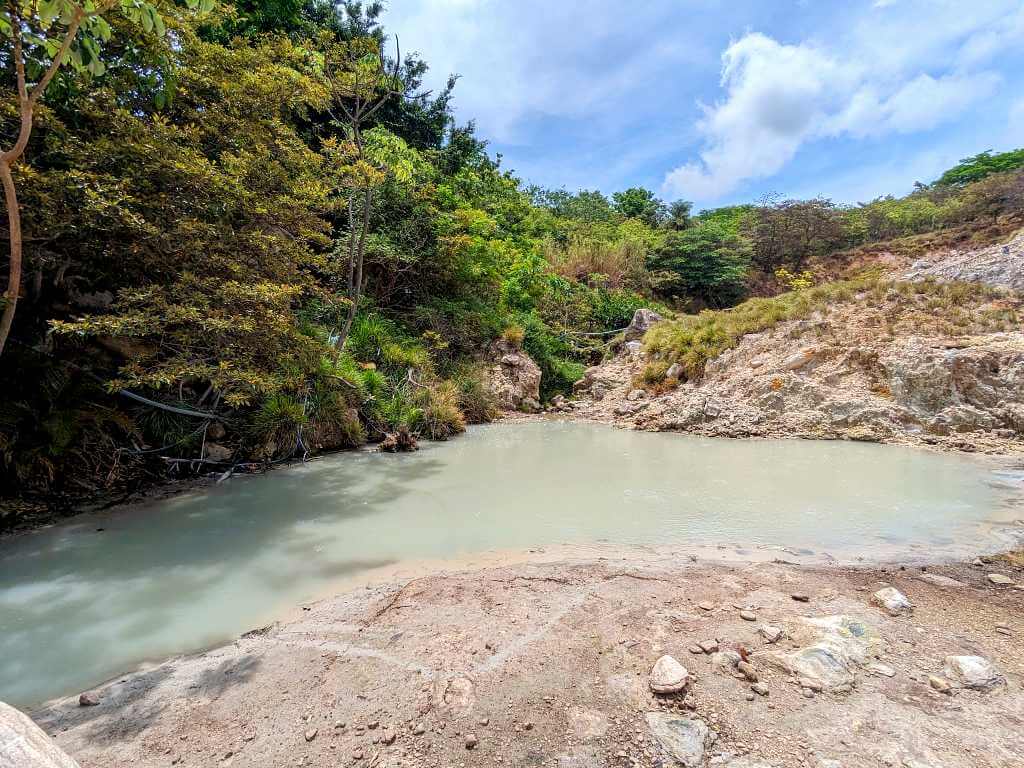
14,276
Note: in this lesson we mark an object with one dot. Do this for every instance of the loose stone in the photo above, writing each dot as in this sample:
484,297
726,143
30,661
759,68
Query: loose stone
311,734
708,646
800,597
668,676
748,615
88,700
1000,580
760,689
894,602
471,741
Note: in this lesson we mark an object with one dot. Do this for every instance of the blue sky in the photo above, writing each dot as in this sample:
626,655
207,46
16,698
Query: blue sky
721,101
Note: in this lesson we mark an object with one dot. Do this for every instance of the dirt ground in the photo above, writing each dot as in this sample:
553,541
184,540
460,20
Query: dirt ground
547,664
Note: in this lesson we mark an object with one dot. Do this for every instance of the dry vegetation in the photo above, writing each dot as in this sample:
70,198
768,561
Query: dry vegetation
925,307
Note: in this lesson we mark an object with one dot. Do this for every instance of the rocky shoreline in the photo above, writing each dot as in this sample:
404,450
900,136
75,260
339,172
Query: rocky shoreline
550,664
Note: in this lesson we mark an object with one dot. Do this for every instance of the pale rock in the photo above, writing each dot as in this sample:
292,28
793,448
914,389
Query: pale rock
940,581
23,744
643,320
683,739
675,371
218,452
771,634
973,672
668,676
1000,580
798,360
939,684
831,649
514,379
893,601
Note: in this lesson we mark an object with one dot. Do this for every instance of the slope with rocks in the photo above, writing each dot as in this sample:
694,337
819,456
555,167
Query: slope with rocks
913,357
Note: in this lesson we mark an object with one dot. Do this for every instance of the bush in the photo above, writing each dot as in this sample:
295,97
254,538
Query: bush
440,416
475,399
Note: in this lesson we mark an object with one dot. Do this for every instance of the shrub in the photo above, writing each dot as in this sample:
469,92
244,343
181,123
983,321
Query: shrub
514,335
277,421
475,399
440,416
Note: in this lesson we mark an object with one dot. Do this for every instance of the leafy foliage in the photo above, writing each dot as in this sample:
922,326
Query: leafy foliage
981,166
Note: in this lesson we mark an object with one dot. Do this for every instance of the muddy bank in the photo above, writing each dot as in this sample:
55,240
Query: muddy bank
547,664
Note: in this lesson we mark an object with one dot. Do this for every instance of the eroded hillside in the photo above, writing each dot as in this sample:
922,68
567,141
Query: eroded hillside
929,352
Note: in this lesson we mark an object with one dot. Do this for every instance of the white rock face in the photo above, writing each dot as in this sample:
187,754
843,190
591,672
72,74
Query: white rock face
23,744
894,602
668,676
972,672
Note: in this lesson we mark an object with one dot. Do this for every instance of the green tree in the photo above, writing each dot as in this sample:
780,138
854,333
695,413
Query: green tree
981,165
707,263
679,215
361,82
44,35
639,203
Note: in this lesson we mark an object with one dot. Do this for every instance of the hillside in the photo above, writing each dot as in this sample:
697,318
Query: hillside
925,352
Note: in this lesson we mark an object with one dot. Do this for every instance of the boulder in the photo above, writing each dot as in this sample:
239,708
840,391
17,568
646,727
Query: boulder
23,744
668,676
832,648
514,378
1000,580
642,321
894,602
218,452
683,739
972,672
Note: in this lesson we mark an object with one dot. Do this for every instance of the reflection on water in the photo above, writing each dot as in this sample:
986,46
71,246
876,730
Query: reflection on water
78,605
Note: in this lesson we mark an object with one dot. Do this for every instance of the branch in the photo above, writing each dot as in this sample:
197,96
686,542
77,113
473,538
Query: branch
69,38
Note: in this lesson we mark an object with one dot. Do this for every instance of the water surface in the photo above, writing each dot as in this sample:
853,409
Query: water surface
79,605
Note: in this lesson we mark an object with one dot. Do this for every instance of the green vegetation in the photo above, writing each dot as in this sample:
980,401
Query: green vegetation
252,211
981,166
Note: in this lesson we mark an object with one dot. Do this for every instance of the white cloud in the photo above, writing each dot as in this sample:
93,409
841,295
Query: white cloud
780,96
537,58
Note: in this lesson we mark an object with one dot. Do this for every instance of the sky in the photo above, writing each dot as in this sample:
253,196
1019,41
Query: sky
726,101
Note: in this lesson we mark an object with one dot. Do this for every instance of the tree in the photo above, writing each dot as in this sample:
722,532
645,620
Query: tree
706,262
679,214
979,166
43,36
362,81
790,232
639,203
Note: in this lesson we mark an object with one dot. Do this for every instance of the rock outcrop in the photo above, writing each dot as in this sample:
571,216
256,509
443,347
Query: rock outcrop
514,378
1000,265
23,744
643,320
885,366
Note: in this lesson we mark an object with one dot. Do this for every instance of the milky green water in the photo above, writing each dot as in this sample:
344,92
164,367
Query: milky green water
78,605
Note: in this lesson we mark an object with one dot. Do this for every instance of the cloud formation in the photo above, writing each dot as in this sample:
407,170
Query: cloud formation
779,97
